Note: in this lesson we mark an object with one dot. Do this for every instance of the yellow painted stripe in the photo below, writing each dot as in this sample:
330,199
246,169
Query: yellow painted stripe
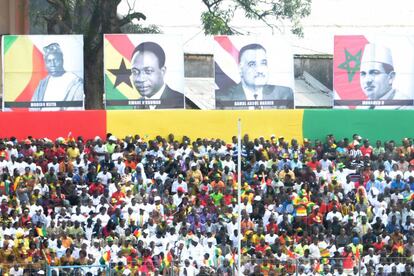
205,124
113,61
17,67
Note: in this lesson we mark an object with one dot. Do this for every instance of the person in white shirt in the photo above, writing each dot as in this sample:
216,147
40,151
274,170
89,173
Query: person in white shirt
16,270
229,163
314,250
334,213
104,176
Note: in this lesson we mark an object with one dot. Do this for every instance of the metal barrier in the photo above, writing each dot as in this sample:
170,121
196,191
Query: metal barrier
25,268
78,270
274,265
365,265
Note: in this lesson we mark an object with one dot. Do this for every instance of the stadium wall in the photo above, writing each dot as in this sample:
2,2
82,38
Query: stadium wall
210,124
52,125
312,124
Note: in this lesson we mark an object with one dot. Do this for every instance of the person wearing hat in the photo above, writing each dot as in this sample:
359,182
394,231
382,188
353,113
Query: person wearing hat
179,182
178,197
377,73
195,174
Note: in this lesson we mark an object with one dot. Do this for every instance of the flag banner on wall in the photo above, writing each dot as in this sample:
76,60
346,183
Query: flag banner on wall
373,72
42,72
143,71
253,72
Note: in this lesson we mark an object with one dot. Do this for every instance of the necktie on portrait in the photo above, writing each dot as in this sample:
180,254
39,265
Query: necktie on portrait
255,98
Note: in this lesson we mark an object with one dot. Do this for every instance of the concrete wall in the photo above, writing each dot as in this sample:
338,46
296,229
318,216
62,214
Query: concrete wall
198,66
319,66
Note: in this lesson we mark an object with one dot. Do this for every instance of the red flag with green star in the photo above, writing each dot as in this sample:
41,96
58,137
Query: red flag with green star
348,52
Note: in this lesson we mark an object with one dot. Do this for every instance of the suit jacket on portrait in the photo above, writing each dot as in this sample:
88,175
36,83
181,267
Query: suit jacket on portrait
171,99
270,92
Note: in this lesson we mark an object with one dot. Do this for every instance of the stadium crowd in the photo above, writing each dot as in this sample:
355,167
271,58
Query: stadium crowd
147,207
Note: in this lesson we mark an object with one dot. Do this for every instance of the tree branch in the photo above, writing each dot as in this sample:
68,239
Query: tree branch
129,17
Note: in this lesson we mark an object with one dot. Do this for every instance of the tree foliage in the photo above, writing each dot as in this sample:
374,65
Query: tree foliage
219,14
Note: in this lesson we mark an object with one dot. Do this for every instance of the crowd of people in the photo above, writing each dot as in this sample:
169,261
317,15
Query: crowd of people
162,206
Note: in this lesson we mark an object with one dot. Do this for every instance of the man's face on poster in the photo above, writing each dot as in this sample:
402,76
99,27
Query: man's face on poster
253,68
54,64
375,81
147,76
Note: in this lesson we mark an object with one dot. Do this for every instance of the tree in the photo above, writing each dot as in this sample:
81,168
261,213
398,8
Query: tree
217,19
93,18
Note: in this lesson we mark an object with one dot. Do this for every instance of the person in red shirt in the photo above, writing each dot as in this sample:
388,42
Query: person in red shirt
366,148
96,187
272,225
315,217
313,164
348,260
379,244
227,197
203,196
261,247
118,196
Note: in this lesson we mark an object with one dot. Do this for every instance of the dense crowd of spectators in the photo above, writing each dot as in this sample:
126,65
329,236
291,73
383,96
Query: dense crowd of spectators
148,207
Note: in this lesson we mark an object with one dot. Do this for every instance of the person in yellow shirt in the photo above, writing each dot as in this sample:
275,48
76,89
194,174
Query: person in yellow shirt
286,171
195,174
72,151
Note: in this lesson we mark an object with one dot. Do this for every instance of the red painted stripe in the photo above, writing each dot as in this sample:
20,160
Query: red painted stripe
122,44
52,125
228,46
39,72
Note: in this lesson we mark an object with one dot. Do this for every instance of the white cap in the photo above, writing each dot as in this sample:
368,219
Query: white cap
41,272
157,198
377,53
211,240
112,138
258,198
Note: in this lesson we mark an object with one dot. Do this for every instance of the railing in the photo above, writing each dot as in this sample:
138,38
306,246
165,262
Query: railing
79,270
269,266
25,268
311,266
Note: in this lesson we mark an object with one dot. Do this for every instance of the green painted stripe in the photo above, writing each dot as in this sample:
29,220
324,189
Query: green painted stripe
372,124
8,42
112,93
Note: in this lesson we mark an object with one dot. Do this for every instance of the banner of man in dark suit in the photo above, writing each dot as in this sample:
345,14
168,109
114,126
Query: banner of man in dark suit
251,87
150,72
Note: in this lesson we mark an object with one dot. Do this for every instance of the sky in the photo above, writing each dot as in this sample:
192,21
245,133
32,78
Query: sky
328,18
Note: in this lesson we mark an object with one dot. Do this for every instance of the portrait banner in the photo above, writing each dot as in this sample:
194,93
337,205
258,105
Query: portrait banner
143,71
253,72
373,72
43,72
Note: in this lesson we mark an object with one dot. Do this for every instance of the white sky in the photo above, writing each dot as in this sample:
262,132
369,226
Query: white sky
328,17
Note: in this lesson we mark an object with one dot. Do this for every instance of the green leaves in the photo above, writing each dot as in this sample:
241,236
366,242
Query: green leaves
217,19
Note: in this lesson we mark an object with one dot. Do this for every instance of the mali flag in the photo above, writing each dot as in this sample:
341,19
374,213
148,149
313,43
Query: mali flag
106,257
41,231
24,67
